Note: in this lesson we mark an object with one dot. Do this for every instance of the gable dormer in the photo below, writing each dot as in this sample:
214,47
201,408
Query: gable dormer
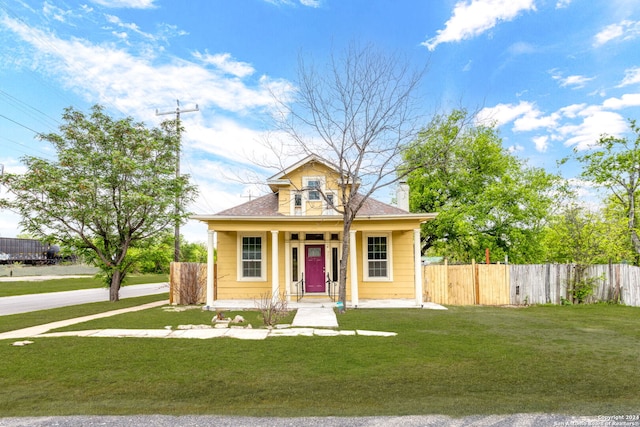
309,187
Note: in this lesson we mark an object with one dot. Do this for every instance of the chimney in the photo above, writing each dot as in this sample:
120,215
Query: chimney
402,196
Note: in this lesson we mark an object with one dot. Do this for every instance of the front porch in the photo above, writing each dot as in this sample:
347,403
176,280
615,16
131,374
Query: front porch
326,302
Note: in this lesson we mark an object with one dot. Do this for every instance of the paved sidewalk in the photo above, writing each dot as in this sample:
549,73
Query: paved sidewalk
318,317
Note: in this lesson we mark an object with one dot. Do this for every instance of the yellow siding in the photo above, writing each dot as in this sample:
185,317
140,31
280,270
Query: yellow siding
296,176
403,284
284,201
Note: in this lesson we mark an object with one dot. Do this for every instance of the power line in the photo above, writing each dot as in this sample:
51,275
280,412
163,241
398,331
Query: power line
20,124
29,109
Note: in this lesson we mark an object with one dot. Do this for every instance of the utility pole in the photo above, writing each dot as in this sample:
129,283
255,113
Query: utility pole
176,248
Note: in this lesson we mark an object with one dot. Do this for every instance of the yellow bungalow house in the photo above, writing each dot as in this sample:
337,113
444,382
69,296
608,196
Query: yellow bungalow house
289,243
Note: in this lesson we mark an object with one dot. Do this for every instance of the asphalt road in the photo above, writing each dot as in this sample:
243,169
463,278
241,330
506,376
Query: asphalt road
35,302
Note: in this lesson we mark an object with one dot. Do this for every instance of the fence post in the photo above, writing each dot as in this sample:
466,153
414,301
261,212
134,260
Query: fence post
476,282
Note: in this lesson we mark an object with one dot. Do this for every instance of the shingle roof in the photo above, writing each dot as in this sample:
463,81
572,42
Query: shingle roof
262,206
268,206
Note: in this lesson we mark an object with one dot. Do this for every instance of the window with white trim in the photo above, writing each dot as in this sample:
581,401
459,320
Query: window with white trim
297,203
329,208
377,257
314,189
251,257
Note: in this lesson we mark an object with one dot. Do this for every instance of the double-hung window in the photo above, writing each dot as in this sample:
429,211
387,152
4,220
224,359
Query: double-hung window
252,260
314,189
377,257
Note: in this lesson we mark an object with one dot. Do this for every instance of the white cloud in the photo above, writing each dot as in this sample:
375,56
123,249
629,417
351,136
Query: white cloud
130,4
533,120
627,100
472,18
572,111
562,4
225,63
128,26
596,123
114,77
625,30
631,76
515,148
541,143
55,12
522,48
577,125
575,81
309,3
504,113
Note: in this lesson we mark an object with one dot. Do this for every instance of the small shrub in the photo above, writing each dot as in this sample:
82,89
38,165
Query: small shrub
192,282
272,308
581,290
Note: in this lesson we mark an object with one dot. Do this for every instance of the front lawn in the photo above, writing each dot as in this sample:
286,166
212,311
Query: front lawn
579,360
27,287
13,322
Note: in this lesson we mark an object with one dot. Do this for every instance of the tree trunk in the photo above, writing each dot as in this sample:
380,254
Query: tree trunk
114,288
344,259
635,240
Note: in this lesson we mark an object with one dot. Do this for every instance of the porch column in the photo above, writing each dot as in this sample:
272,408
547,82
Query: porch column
275,274
210,268
287,269
353,261
417,264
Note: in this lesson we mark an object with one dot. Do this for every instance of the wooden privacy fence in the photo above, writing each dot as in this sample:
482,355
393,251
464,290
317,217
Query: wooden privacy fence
486,284
497,284
188,282
547,283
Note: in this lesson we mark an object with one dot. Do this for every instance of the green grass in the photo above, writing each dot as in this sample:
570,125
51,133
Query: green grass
159,318
8,289
579,360
24,320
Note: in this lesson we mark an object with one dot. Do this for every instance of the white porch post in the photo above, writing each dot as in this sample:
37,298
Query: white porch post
287,269
353,262
275,274
417,261
210,268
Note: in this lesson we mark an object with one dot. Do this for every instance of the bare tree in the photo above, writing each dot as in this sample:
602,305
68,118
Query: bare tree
358,112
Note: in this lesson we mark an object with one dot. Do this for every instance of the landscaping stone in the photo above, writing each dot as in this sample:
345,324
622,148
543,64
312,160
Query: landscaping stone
375,333
183,327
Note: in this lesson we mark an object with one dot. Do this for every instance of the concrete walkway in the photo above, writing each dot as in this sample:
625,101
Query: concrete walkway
309,321
317,317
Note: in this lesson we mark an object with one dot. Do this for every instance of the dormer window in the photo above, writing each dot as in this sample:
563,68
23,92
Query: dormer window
314,187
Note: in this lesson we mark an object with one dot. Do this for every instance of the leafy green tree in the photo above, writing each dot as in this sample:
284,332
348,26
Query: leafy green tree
576,235
153,255
615,166
112,186
193,252
484,196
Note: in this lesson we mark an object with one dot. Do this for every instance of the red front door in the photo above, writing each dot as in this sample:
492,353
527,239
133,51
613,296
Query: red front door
314,268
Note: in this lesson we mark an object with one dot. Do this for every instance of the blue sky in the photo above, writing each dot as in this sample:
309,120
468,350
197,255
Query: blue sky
552,74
